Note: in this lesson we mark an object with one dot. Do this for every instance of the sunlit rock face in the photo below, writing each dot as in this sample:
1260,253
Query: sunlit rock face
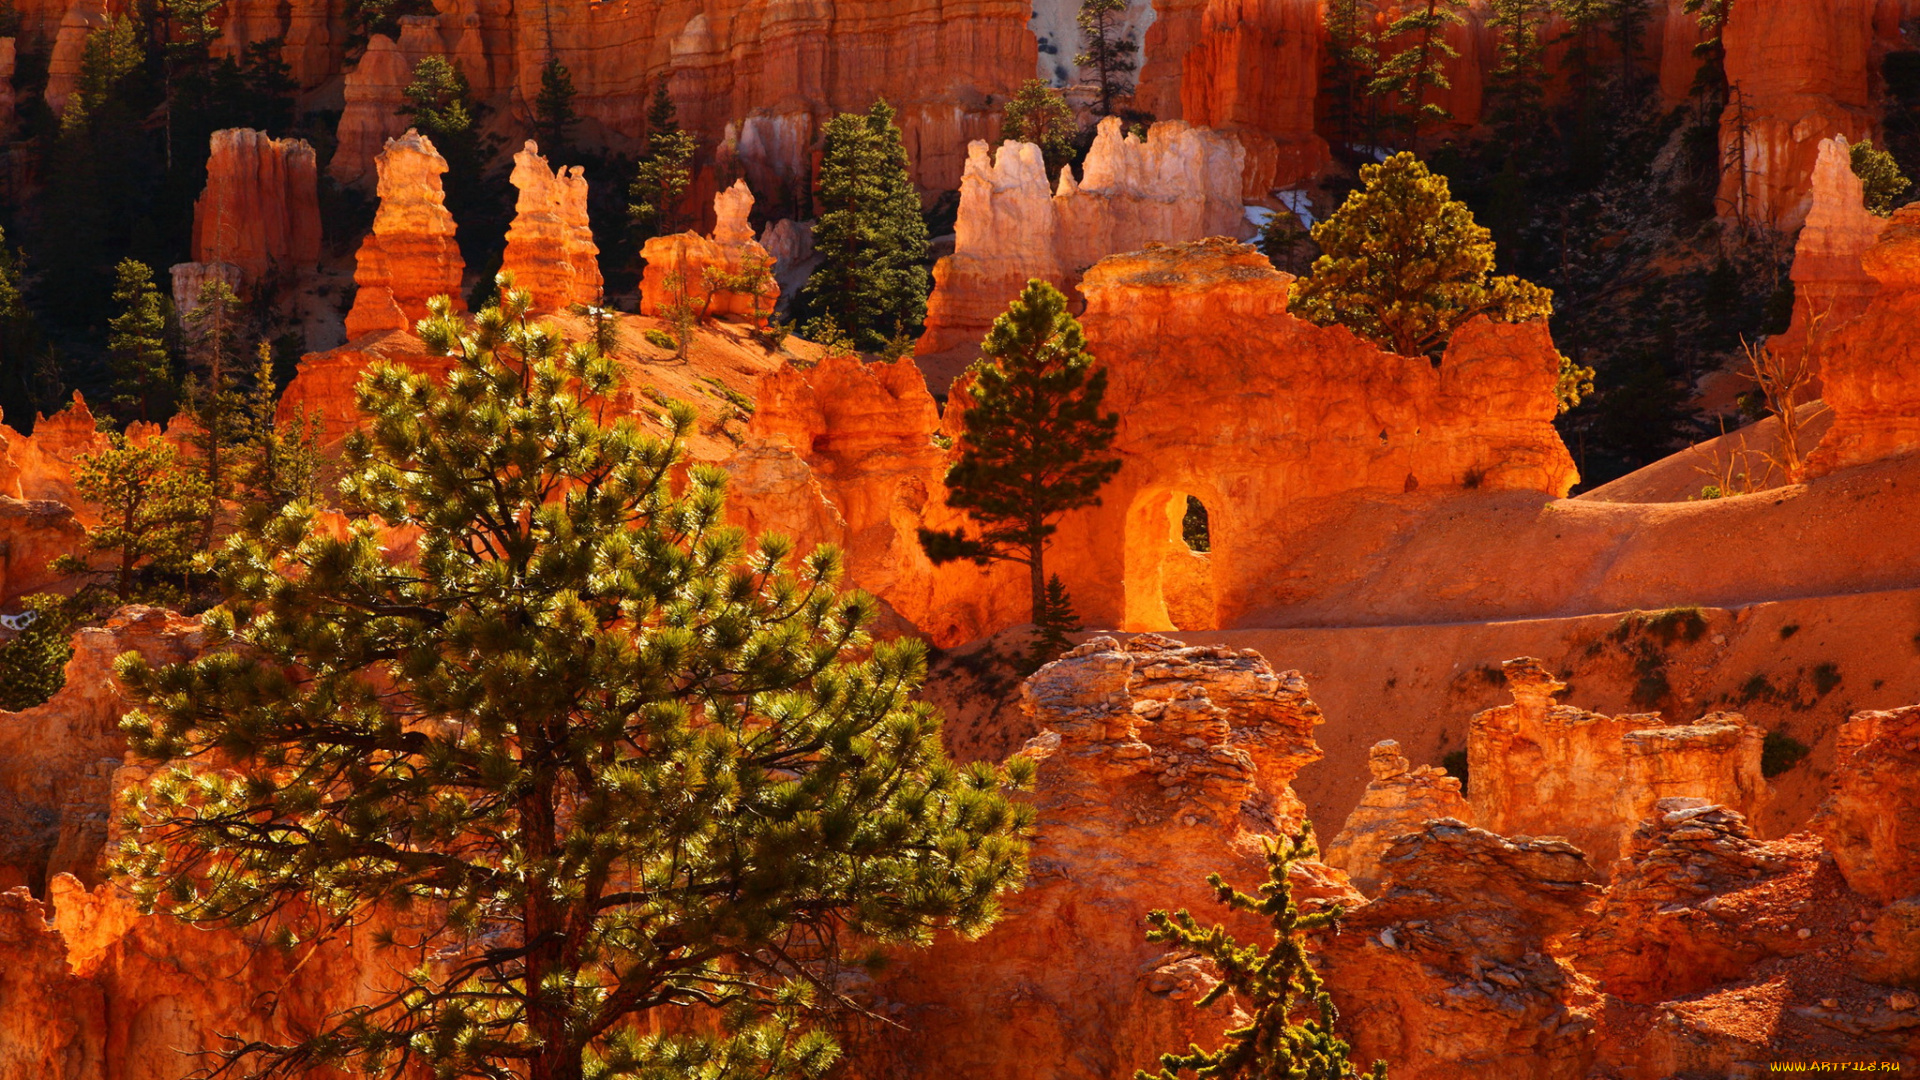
550,249
260,210
1870,367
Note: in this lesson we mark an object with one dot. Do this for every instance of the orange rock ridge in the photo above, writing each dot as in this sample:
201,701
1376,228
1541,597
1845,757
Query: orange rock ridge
260,209
1830,283
410,256
1400,799
677,266
1870,367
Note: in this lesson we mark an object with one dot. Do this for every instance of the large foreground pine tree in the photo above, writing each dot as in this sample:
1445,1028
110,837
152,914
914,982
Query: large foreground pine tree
635,784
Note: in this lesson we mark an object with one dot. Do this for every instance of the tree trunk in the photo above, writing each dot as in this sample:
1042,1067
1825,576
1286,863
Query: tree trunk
1037,576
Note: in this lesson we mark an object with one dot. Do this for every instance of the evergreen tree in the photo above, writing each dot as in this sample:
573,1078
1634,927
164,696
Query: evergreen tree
110,55
870,235
1712,16
1106,51
1033,442
213,331
442,106
1628,28
553,116
1880,175
1405,265
659,188
1516,89
1039,114
152,509
1353,60
640,784
366,18
1272,986
1417,69
137,345
277,463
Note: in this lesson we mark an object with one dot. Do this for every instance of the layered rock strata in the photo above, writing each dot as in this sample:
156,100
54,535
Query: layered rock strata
1179,183
550,249
1400,799
1831,285
687,268
260,209
1254,73
1555,769
410,256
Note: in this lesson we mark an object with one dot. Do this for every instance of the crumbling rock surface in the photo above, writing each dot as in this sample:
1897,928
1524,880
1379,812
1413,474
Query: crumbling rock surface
57,759
1449,974
1542,768
1679,916
1179,183
33,533
550,249
1253,74
40,466
374,92
1872,817
679,267
1159,764
1870,367
410,256
260,210
1400,800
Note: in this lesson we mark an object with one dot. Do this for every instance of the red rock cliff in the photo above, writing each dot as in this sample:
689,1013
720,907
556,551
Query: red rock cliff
260,209
1870,367
550,249
410,256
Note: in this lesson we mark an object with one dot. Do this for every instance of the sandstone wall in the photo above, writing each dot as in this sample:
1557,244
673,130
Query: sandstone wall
1870,367
1400,799
1867,819
260,209
1831,285
677,265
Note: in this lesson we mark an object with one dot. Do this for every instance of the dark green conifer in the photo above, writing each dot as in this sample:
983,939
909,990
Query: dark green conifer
137,345
1106,50
642,784
659,189
1275,987
1033,441
554,117
870,235
1415,67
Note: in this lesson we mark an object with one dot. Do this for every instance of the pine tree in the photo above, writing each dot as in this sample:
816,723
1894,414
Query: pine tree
1033,442
152,508
1056,620
1273,986
137,344
1413,73
1404,265
1110,55
665,173
441,104
1039,114
870,235
213,331
276,463
1353,59
1516,88
553,115
111,54
639,782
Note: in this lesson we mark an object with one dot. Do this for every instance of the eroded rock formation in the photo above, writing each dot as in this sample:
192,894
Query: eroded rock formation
1870,367
1831,285
1553,769
550,249
1449,975
1867,819
260,209
1254,74
1147,747
374,93
6,86
681,267
410,256
1400,799
1258,414
1180,183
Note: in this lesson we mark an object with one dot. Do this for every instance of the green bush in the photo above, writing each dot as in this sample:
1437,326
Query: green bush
1826,676
1780,752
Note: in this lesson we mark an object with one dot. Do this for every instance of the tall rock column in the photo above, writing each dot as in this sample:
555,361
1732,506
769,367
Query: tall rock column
550,249
1255,74
6,86
1830,282
63,67
260,208
1870,367
677,265
1800,73
410,256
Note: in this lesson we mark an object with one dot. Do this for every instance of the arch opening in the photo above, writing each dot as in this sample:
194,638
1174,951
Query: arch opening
1171,563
